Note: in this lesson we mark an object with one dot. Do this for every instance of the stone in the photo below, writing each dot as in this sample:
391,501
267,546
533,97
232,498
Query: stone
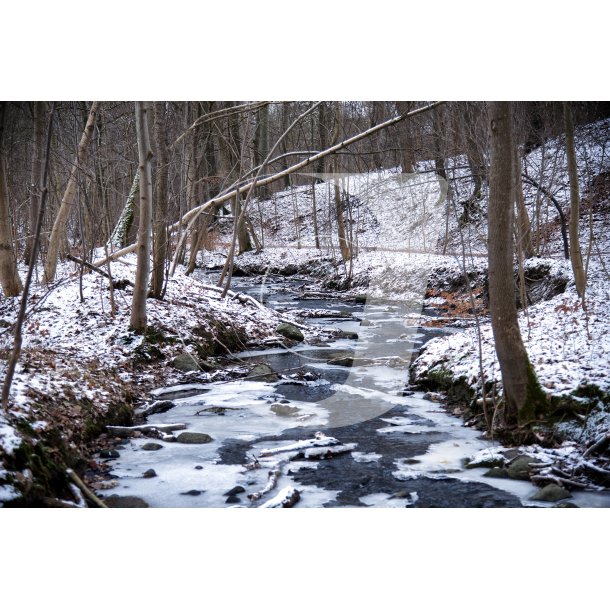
519,468
199,467
551,493
238,489
109,454
149,474
496,473
566,505
290,331
115,501
262,372
191,492
346,334
284,410
186,362
159,406
232,500
366,323
152,447
194,438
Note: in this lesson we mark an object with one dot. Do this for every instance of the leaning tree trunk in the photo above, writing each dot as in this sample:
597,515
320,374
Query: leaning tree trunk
59,226
575,255
118,239
161,201
523,397
9,276
138,318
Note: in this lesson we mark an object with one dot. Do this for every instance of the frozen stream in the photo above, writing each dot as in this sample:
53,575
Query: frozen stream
408,451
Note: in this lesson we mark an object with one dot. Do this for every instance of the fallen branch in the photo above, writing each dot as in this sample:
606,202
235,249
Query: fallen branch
320,440
562,482
127,431
88,493
274,475
287,498
599,444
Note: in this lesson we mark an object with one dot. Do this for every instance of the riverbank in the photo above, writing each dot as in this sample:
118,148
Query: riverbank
81,369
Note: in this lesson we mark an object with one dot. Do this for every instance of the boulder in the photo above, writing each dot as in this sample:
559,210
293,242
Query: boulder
149,474
551,493
519,468
238,489
262,372
151,447
284,410
194,438
115,501
290,331
187,362
496,473
109,454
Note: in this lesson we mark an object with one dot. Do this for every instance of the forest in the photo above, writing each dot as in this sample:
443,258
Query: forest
310,304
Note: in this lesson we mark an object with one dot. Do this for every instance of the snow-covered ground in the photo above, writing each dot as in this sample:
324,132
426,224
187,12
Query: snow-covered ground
79,361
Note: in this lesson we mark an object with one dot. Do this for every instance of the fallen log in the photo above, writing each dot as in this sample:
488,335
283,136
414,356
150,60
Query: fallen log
88,493
287,498
320,440
128,431
274,476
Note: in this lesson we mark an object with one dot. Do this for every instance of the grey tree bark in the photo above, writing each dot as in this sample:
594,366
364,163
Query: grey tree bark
58,233
38,110
9,276
575,254
138,319
523,398
161,201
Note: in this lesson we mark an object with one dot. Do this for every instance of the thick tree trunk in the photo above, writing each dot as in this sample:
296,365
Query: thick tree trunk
261,142
138,318
523,397
36,176
58,233
575,254
161,201
9,276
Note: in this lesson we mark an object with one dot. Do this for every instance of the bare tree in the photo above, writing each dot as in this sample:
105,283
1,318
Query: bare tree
38,115
58,232
575,255
9,276
161,200
524,399
138,320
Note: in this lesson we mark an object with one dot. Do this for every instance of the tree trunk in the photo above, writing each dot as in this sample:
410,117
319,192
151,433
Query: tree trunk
523,397
261,142
405,140
523,221
9,276
575,256
58,232
138,318
161,201
36,176
121,230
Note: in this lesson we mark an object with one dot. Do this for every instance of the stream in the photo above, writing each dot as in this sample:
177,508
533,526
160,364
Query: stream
408,451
